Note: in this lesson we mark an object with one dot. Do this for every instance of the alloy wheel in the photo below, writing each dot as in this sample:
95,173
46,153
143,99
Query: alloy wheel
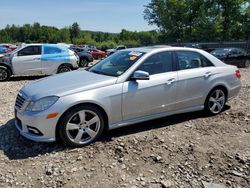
247,63
83,63
83,127
64,69
3,74
217,101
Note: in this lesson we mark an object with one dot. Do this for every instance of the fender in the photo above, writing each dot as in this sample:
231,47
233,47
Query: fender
6,61
9,67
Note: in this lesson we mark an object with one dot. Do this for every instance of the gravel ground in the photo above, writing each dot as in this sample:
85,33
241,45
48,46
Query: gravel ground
187,150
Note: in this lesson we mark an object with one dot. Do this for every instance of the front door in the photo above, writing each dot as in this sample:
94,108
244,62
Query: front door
27,61
149,97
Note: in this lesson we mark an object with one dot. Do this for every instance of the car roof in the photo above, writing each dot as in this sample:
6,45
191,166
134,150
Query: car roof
41,44
156,48
228,48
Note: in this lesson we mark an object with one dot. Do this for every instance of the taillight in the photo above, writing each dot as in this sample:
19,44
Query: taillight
237,74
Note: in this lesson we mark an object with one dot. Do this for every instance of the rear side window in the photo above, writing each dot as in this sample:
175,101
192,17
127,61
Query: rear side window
191,60
158,63
52,50
30,50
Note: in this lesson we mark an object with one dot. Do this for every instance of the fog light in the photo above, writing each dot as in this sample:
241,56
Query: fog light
34,131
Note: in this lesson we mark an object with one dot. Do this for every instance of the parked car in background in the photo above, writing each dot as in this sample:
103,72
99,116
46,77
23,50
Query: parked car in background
98,54
3,50
84,55
78,49
111,51
85,58
193,45
233,56
10,47
36,59
131,86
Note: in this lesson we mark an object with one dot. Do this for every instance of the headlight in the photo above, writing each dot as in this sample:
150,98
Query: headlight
42,104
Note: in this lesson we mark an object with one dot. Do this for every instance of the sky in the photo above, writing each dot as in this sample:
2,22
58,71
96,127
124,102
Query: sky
94,15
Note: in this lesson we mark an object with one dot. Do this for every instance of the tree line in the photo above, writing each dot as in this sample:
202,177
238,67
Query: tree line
177,21
200,20
73,34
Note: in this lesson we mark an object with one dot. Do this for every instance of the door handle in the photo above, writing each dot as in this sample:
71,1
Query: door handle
36,58
170,81
207,74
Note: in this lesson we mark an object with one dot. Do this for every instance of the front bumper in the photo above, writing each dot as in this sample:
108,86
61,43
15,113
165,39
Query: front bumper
36,127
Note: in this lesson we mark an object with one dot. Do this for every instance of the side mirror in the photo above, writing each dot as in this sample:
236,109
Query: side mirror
140,75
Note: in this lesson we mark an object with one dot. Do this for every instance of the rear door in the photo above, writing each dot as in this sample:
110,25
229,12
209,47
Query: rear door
195,73
52,57
27,61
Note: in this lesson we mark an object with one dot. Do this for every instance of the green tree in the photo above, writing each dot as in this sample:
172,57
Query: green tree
197,20
74,31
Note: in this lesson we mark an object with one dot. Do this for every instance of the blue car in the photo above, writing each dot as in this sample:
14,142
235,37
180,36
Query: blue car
3,50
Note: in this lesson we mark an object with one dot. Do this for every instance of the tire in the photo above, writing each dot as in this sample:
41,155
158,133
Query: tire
81,126
247,63
84,63
4,73
215,102
63,68
99,57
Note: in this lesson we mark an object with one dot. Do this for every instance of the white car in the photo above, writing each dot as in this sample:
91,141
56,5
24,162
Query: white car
130,86
36,59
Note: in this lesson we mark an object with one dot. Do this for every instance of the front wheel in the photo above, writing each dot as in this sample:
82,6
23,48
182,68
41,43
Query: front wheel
81,126
4,74
247,63
215,102
99,57
83,63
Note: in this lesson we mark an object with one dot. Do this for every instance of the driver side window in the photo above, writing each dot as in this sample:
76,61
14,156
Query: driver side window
30,50
158,63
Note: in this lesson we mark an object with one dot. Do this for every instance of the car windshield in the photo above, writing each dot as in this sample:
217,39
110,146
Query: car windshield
116,64
220,52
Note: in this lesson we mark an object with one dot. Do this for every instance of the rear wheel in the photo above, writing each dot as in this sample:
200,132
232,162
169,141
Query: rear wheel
81,126
4,73
215,102
63,68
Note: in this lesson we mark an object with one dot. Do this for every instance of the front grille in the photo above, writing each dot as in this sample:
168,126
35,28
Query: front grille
20,100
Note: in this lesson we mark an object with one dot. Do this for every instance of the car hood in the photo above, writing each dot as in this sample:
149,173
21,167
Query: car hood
66,84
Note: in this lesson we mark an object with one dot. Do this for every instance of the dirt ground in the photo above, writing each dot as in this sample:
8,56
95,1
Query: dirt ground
185,150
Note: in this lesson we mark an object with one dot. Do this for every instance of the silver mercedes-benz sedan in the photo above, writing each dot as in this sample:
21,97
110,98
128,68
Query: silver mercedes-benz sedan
130,86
